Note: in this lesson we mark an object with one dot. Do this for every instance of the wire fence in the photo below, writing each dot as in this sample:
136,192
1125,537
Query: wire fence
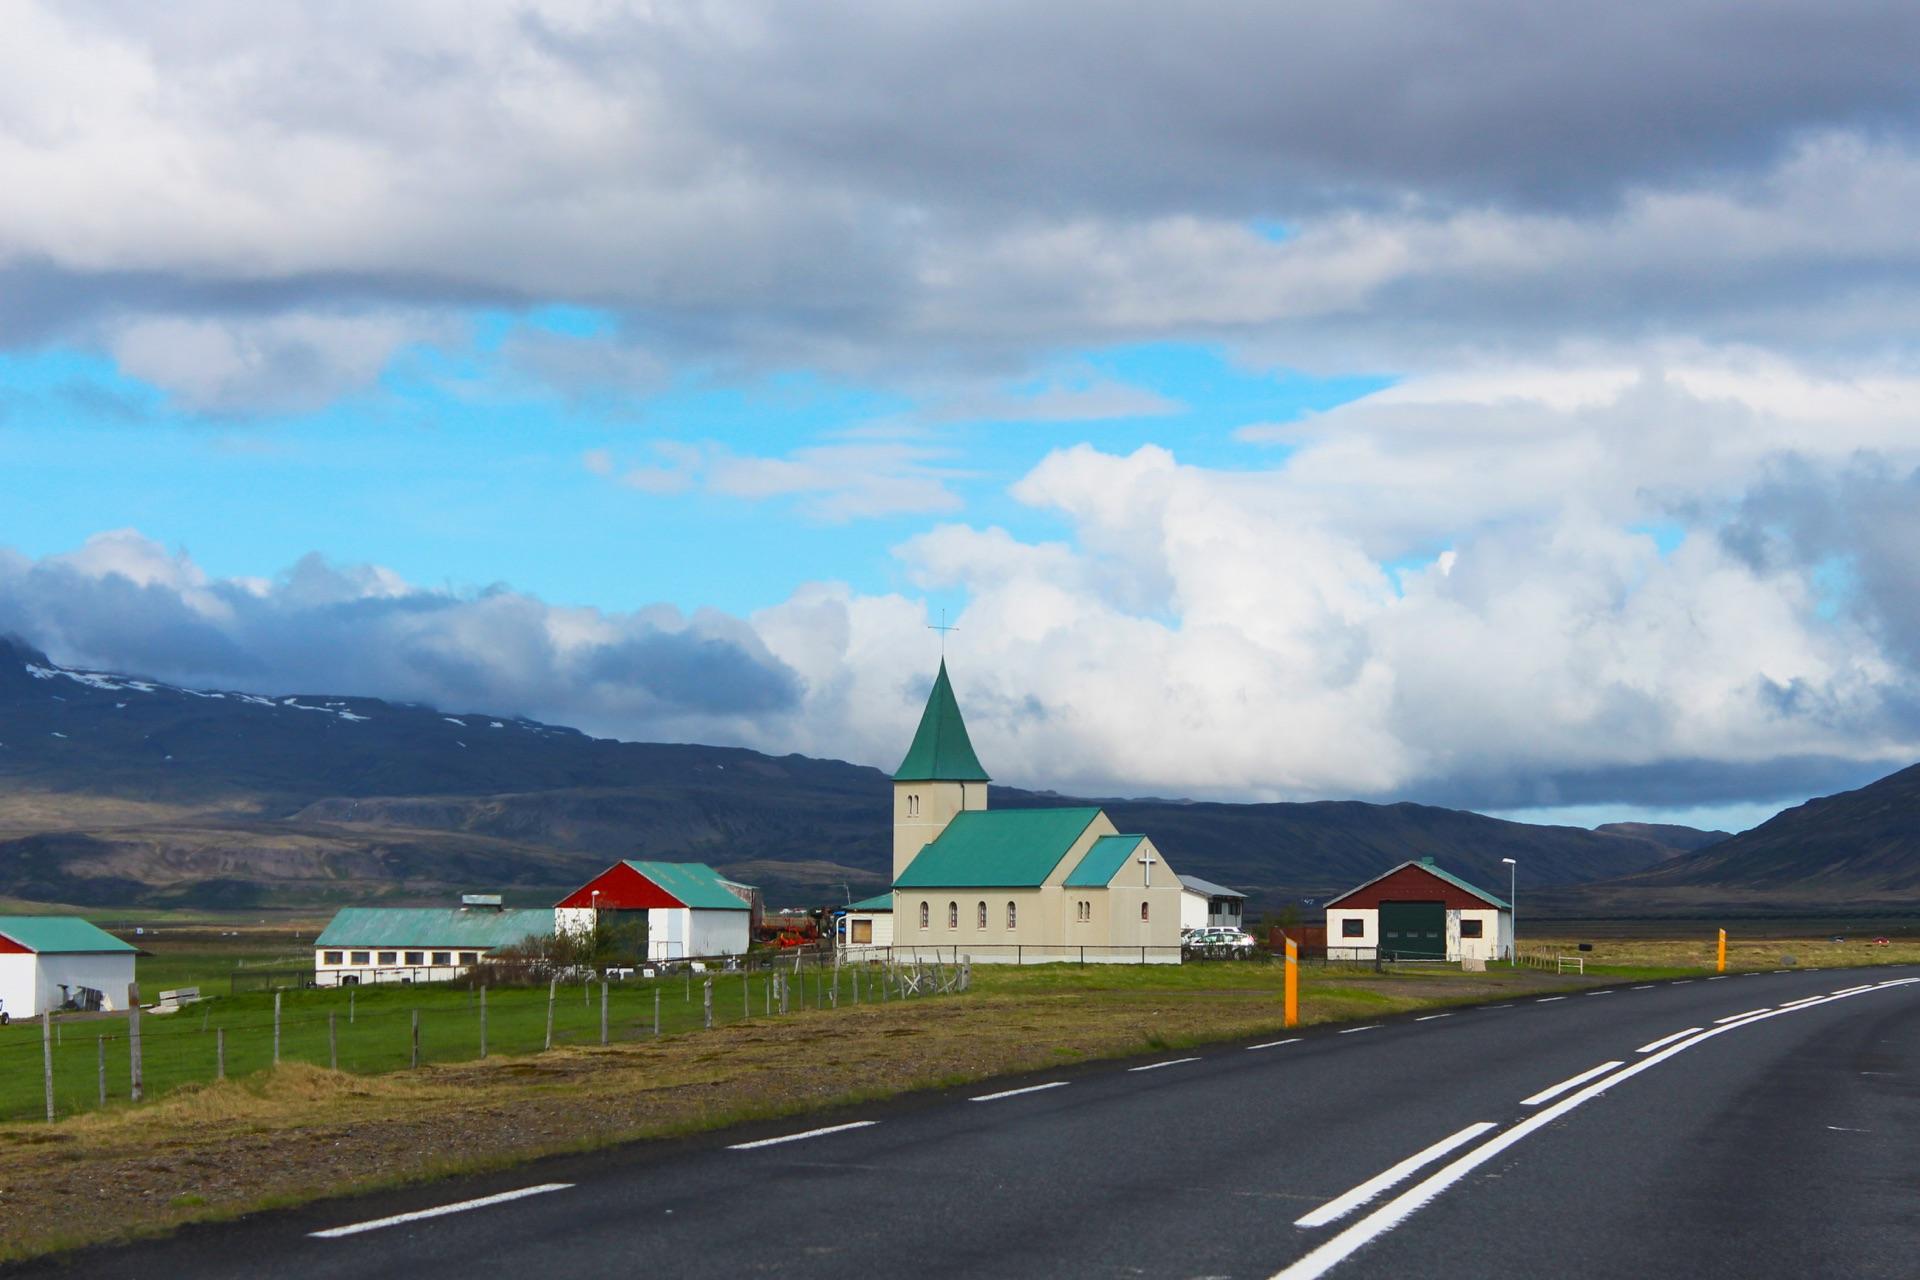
61,1065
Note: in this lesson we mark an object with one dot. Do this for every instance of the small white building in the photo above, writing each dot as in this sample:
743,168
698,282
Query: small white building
1416,911
365,945
686,908
865,925
50,962
1206,905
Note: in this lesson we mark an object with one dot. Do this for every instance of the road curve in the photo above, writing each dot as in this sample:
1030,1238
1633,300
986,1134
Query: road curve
1752,1126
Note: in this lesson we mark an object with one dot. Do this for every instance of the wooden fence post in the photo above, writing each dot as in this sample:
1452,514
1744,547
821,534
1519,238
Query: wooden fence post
483,1022
351,993
706,1003
136,1078
656,1013
603,1009
276,1028
219,1053
102,1042
46,1057
333,1041
553,986
414,1054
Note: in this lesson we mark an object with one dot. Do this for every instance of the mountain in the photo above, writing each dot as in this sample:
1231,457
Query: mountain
120,789
1679,839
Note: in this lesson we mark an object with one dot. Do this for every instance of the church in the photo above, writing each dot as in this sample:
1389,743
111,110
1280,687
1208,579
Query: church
1013,886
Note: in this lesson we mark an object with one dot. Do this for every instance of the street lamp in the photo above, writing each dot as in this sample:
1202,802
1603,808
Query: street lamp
1513,911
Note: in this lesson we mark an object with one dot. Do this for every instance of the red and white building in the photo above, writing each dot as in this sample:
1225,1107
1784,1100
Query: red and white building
1419,912
688,908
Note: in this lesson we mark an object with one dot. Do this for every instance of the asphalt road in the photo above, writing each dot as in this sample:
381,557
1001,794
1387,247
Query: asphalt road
1751,1126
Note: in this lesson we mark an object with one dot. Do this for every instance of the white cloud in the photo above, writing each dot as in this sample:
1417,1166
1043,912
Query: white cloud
833,483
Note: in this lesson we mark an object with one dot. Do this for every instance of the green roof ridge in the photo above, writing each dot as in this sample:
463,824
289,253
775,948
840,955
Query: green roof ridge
999,848
941,750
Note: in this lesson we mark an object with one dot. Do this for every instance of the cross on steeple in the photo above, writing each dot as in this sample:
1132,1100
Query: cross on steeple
943,628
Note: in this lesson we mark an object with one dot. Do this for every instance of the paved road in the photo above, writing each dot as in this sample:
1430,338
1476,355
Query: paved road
1752,1126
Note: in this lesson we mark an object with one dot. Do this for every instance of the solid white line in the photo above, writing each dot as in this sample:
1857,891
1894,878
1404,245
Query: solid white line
1275,1044
334,1233
1548,999
1340,1206
795,1137
1551,1092
1847,991
1014,1093
1170,1062
1664,1041
1372,1026
1735,1017
1789,1004
1431,1016
1332,1253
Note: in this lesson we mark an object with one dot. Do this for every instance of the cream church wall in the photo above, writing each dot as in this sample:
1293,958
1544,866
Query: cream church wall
915,827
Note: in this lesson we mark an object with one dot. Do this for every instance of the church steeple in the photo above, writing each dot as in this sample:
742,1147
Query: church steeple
941,750
939,778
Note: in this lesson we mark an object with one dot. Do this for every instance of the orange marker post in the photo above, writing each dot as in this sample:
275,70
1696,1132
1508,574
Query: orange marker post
1721,965
1293,983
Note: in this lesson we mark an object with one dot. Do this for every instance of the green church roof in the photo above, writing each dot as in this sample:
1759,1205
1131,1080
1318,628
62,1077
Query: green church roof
1102,862
941,751
433,927
52,935
997,849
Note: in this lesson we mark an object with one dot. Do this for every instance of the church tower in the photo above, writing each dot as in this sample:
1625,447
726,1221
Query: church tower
940,776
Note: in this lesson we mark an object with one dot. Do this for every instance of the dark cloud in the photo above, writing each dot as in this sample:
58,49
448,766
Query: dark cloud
1674,783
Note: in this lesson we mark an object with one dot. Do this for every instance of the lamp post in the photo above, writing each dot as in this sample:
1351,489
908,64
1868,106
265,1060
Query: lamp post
1513,911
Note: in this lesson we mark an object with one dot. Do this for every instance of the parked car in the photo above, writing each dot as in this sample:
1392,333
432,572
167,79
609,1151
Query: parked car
1219,943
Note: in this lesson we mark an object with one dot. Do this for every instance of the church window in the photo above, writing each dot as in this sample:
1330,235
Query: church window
953,915
913,806
923,915
980,916
1143,913
1013,915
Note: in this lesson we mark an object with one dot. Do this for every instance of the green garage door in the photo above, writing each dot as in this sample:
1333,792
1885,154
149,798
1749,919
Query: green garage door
1416,929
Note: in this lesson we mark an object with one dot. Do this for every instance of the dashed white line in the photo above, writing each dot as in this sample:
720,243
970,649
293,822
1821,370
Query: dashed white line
334,1233
1340,1206
1664,1041
1548,999
1645,986
1014,1093
1431,1016
1718,977
1683,982
1491,1007
1372,1026
1847,991
795,1137
1790,1004
1170,1062
1735,1017
1551,1092
1275,1044
1598,993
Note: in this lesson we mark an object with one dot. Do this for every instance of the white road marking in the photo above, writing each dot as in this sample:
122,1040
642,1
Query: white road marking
1647,986
1843,1129
795,1137
1847,991
334,1233
1718,977
1788,1004
1735,1017
1333,1252
1014,1093
1372,1026
1599,993
1551,1092
1431,1016
1683,982
1664,1041
1491,1007
1548,999
1340,1206
1170,1062
1275,1044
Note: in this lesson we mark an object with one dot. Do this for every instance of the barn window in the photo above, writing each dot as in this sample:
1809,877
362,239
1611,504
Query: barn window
443,957
359,957
416,957
923,915
1353,927
953,915
1470,928
980,916
1013,915
388,957
469,957
1143,913
333,957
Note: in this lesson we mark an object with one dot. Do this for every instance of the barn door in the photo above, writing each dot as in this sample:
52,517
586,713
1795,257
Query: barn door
1415,930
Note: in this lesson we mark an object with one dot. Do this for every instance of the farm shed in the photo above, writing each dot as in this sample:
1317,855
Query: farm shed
50,961
1418,912
687,908
419,944
1206,905
865,924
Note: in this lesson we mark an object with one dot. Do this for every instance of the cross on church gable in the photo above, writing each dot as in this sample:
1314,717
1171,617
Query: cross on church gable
1146,861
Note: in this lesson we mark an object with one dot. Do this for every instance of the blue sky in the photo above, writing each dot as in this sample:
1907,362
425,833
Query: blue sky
1292,403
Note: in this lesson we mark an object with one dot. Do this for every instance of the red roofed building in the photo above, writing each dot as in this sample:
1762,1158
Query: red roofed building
1418,912
688,908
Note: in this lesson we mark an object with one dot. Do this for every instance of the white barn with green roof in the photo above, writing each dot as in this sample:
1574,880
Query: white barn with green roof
46,961
364,945
1016,886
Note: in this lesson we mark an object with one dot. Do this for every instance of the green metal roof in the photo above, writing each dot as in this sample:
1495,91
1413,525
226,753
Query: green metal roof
1426,864
694,883
433,927
51,935
941,750
878,902
1102,861
1002,848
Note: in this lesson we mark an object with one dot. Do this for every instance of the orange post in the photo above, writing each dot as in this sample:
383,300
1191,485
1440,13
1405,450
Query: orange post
1293,983
1721,965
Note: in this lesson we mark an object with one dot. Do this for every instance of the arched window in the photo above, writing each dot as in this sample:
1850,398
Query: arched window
1013,915
1143,913
953,915
980,916
923,915
913,805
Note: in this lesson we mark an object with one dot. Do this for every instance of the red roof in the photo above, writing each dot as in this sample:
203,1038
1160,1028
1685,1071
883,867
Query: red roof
1413,882
621,889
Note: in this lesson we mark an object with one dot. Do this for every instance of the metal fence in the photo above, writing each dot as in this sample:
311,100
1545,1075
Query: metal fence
1014,953
59,1065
